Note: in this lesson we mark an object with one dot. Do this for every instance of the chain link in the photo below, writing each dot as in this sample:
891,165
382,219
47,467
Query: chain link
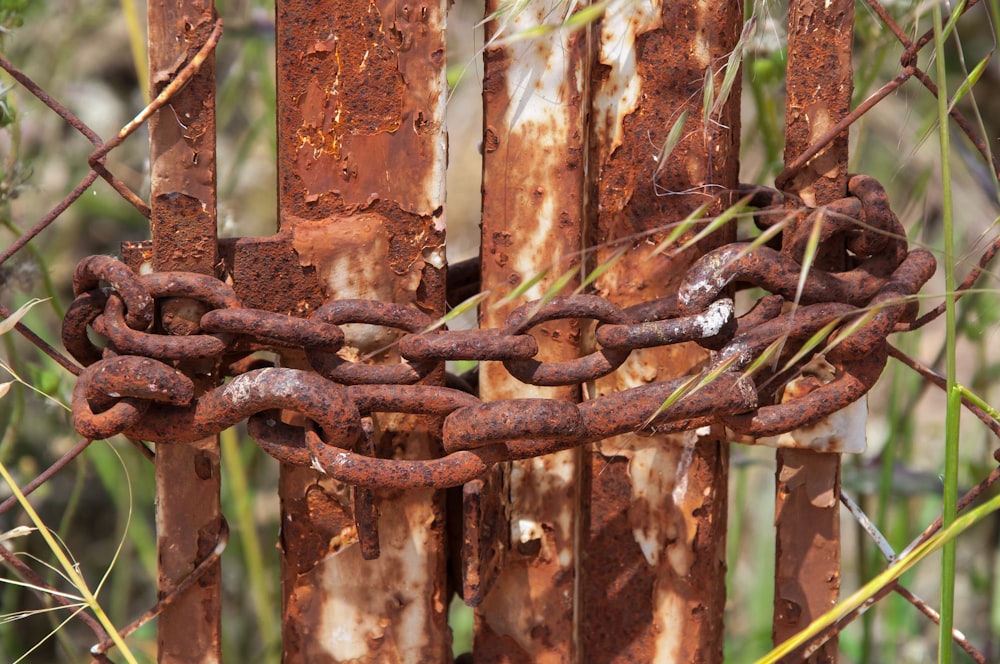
130,386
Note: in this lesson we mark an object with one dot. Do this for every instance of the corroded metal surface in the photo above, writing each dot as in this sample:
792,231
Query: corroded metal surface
807,511
654,571
361,159
183,224
534,109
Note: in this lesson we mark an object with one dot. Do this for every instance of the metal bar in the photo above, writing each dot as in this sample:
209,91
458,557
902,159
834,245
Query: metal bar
361,159
534,141
654,573
183,222
807,509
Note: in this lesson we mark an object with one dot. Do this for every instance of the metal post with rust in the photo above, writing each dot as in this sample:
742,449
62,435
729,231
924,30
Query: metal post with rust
361,171
819,84
654,571
534,96
183,220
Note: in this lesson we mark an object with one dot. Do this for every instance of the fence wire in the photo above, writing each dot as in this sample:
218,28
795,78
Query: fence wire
27,571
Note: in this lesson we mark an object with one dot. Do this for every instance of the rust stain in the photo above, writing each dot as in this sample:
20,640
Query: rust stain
347,134
533,174
338,615
807,516
842,431
658,505
361,162
183,226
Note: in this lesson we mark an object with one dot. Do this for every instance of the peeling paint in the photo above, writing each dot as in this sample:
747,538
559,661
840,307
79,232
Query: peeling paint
624,21
534,165
655,546
361,157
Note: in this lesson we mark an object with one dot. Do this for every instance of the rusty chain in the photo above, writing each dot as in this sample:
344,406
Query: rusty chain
131,385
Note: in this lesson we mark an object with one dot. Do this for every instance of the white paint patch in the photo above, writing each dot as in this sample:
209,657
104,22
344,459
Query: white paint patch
687,454
435,257
525,530
716,316
242,388
353,617
659,487
843,431
541,82
624,20
669,607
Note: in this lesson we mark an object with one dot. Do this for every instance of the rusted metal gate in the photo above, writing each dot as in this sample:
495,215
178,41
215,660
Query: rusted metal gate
569,552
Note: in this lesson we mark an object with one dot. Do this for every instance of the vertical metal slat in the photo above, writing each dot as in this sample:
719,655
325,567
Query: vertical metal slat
183,203
361,157
654,571
534,92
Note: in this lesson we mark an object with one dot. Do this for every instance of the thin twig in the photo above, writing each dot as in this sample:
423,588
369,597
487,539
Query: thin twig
46,474
966,284
939,381
28,575
41,344
44,222
175,86
956,636
182,587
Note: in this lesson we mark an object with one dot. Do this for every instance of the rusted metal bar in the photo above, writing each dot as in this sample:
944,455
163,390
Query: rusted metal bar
183,222
534,140
654,573
819,84
361,159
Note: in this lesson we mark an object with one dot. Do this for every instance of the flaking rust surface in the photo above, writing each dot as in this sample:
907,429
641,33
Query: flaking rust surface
533,170
361,192
807,514
654,574
183,225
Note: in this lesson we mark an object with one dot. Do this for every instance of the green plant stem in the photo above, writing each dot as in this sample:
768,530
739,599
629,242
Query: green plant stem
69,568
257,575
137,45
857,599
950,490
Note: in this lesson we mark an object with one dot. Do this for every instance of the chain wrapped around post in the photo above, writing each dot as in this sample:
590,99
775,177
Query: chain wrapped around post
842,318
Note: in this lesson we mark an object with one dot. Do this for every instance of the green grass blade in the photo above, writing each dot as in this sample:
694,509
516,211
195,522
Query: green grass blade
970,81
718,222
733,65
68,567
459,309
890,574
522,288
951,459
812,246
673,138
596,273
708,99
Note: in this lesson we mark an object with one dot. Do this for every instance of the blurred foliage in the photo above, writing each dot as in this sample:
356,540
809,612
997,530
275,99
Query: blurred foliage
107,493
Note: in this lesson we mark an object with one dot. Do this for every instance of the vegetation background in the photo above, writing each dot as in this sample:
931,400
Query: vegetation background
88,54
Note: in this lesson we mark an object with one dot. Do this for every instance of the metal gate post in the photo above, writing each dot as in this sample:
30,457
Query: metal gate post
361,159
183,219
534,96
654,569
819,85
